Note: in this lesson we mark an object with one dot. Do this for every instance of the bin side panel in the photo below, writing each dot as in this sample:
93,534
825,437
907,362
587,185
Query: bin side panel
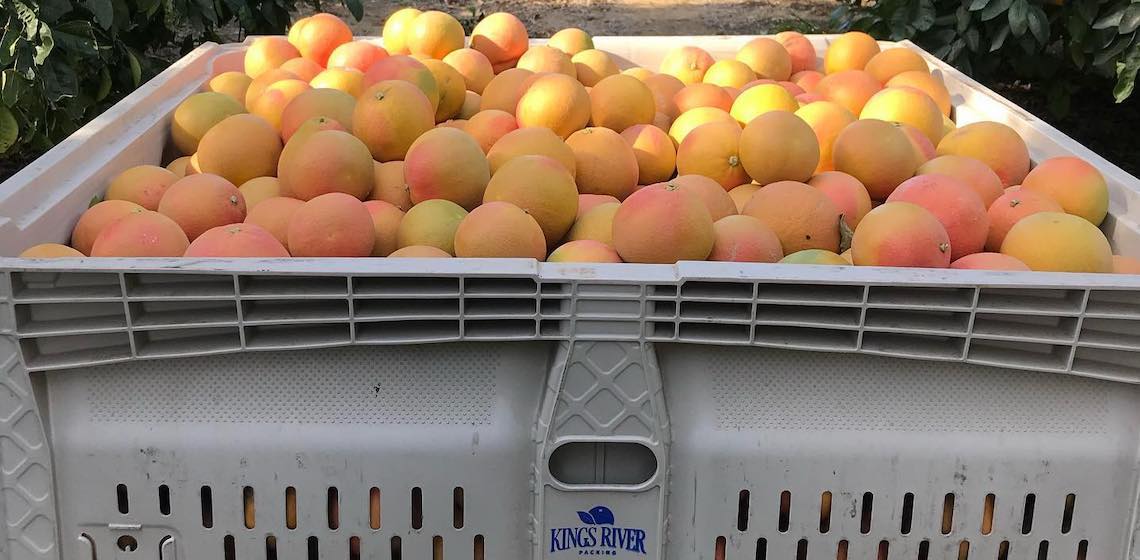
774,451
369,448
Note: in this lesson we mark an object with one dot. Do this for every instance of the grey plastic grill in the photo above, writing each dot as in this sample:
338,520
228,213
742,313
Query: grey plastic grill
67,319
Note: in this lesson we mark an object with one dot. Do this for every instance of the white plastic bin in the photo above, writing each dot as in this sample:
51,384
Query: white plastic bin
508,409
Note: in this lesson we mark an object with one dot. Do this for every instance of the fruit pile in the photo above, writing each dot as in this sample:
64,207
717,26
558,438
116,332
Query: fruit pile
436,146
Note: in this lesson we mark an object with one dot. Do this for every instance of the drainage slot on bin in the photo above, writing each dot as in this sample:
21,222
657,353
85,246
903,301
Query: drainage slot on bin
587,463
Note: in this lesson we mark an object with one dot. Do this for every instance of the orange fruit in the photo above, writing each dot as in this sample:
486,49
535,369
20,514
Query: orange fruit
778,146
656,155
473,66
927,82
347,80
729,73
827,119
531,141
800,215
767,58
604,162
542,187
389,116
541,58
320,35
554,101
1058,242
618,102
499,230
198,114
358,55
892,62
396,28
502,38
907,106
434,34
713,150
757,100
639,235
995,144
447,163
203,201
799,49
571,41
1074,183
850,51
332,225
142,234
505,89
266,53
877,153
240,148
592,65
96,218
687,64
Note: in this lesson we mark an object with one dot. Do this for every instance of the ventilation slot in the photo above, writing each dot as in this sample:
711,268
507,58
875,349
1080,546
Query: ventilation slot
1027,518
801,550
907,513
417,508
478,552
718,549
397,549
457,507
207,507
162,550
988,515
314,547
761,549
354,548
248,507
374,508
964,550
884,550
121,498
924,550
270,547
841,550
291,507
228,548
1067,516
1003,551
164,499
868,507
742,511
1043,551
334,508
437,548
785,510
1083,550
947,514
825,514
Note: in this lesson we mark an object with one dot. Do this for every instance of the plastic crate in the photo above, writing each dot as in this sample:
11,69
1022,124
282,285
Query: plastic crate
198,409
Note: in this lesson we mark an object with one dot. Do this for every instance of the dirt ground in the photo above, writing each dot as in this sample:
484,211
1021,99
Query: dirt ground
618,17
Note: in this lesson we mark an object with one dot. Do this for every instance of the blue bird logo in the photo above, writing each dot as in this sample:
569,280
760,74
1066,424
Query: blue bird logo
598,515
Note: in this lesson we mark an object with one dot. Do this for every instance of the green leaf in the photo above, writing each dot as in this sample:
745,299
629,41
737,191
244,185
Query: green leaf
9,130
52,10
355,8
45,47
1118,46
1131,19
104,84
28,17
1077,27
999,38
973,41
976,5
136,68
1088,9
963,19
60,81
1126,74
102,10
1111,18
12,85
1039,24
1019,17
995,9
